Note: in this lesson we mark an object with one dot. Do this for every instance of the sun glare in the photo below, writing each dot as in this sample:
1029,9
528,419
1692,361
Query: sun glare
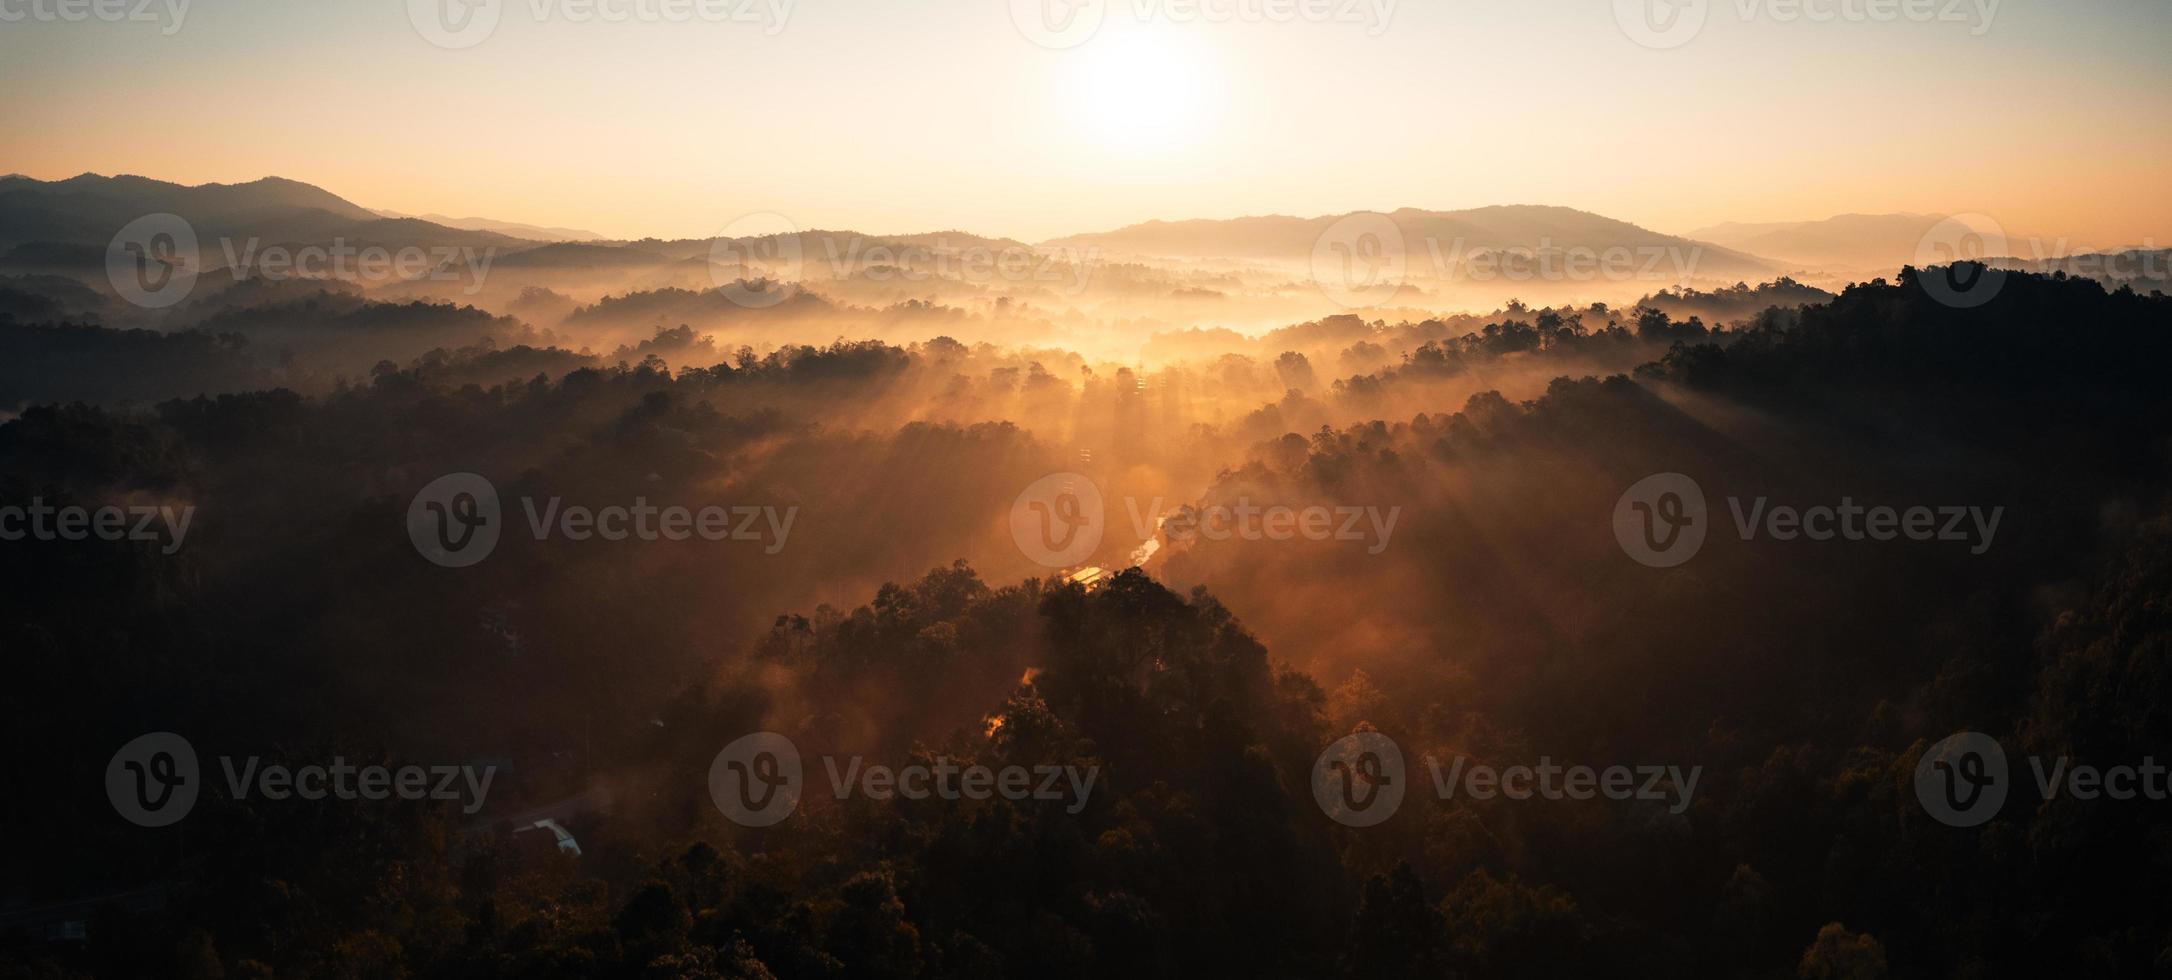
1143,94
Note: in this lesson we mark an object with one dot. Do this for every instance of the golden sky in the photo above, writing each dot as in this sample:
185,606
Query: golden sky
914,115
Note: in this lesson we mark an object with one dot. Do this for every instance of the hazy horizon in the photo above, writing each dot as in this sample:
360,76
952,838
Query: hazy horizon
948,116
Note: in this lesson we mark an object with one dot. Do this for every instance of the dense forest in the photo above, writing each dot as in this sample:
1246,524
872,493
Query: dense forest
898,622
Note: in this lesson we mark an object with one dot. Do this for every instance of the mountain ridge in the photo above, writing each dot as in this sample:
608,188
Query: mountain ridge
89,209
511,229
1491,228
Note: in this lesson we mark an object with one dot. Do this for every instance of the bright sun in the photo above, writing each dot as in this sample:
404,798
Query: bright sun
1143,93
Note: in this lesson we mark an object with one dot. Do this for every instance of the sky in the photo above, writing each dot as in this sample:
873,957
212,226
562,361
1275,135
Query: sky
1038,118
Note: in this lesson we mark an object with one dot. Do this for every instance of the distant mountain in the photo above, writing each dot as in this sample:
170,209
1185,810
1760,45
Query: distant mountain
33,299
582,255
56,257
1841,242
88,210
144,192
510,229
65,225
939,240
840,243
1426,235
2143,268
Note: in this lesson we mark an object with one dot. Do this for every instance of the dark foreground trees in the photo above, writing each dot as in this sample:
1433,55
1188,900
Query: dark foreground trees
1502,625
